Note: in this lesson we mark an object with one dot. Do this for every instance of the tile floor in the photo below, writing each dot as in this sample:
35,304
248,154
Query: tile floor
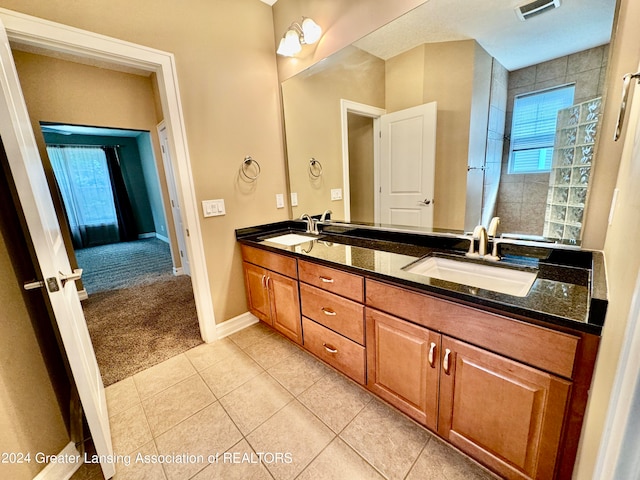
257,392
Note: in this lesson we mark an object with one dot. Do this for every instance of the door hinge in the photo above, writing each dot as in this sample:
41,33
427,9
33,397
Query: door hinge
181,253
188,233
173,205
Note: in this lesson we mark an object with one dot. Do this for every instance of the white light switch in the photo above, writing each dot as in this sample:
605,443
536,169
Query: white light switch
294,199
336,194
213,208
279,200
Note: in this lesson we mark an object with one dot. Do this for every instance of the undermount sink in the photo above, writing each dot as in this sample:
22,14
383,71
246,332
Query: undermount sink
492,277
290,239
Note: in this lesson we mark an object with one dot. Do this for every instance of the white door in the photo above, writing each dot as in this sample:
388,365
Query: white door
407,166
35,199
173,197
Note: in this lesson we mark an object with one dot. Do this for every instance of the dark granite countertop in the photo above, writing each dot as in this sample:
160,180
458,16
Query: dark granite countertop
569,291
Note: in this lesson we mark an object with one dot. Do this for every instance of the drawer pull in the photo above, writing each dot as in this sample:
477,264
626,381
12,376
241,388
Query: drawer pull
432,352
445,363
263,281
326,279
329,348
328,311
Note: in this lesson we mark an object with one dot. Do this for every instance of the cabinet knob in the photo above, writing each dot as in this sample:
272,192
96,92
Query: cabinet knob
329,348
445,364
432,353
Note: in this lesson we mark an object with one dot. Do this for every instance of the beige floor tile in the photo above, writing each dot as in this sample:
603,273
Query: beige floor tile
176,403
129,430
230,373
203,356
159,377
335,400
386,439
439,461
145,469
255,401
209,432
121,396
299,372
250,335
339,461
293,431
240,462
271,350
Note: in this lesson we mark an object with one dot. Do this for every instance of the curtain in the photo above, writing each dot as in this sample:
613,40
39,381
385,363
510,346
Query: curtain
83,178
126,220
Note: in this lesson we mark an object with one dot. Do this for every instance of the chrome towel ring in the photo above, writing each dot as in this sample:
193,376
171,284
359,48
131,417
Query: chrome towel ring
246,164
315,168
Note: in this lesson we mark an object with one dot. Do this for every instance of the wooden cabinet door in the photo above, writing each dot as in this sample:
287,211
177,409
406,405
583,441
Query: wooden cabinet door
285,305
504,414
403,364
255,280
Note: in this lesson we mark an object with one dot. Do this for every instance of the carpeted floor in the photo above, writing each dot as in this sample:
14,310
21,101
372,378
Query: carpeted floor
134,328
124,264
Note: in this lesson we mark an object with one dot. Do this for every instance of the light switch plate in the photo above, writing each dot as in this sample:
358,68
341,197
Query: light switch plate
336,194
294,199
279,200
213,208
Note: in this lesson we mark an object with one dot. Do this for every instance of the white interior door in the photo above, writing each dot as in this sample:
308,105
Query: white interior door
407,166
174,198
35,199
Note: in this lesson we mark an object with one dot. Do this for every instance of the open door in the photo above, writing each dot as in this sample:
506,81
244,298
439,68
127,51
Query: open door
407,166
39,213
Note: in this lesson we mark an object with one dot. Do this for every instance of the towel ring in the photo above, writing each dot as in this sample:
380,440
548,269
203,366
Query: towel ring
315,168
246,163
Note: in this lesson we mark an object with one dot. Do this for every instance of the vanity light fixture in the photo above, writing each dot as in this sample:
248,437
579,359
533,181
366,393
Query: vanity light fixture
306,32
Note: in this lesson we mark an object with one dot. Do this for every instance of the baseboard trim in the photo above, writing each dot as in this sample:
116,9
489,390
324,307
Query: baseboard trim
56,471
235,324
146,235
162,237
83,294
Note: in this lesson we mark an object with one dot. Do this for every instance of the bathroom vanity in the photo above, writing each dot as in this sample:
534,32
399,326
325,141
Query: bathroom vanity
502,376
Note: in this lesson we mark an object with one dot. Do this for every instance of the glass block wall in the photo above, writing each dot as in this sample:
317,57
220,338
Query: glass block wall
571,169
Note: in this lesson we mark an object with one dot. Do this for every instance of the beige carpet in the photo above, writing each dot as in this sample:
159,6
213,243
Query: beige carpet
135,328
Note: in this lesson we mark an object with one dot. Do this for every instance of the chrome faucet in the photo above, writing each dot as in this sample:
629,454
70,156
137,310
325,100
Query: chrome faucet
312,226
323,218
483,239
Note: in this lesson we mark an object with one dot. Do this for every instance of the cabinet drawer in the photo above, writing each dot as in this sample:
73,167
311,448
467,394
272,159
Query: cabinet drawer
538,346
272,261
336,350
343,283
334,312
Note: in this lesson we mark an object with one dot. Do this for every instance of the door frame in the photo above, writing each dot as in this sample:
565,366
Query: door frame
93,47
346,107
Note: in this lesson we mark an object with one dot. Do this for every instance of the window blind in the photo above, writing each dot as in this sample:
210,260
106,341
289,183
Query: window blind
534,128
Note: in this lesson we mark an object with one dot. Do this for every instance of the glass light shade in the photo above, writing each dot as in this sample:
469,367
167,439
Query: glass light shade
311,31
290,44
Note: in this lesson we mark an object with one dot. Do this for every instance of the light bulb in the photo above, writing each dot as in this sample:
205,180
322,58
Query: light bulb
290,44
311,31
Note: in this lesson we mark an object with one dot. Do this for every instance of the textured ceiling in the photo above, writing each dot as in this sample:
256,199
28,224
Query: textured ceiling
577,25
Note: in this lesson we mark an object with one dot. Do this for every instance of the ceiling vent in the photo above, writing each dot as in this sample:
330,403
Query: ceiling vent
532,9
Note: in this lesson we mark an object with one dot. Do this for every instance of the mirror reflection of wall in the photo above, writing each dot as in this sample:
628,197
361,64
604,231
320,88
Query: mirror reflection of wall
522,198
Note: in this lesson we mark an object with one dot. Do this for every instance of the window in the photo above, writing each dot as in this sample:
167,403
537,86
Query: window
533,129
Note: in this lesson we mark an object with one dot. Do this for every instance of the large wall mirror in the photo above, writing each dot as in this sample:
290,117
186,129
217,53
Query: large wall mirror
412,124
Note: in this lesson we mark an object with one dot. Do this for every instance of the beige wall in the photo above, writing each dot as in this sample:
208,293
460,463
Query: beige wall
361,177
229,92
312,115
30,418
342,21
61,91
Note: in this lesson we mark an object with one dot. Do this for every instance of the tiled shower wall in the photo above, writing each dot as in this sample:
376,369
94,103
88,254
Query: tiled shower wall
522,198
